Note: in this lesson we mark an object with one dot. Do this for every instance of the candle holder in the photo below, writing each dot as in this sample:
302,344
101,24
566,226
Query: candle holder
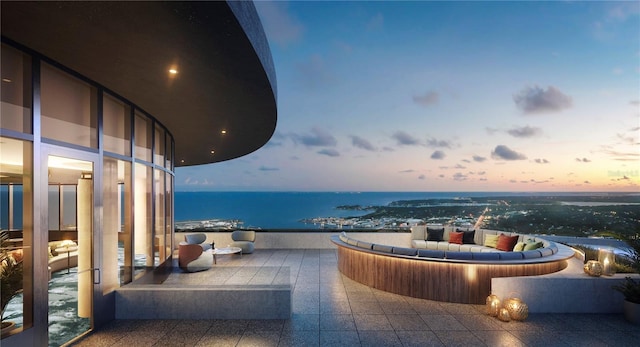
493,305
607,258
517,309
503,315
593,268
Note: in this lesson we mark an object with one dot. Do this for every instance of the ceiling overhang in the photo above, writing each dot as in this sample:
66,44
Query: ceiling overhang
222,83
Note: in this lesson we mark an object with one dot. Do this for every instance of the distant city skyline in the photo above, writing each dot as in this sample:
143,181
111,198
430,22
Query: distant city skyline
446,96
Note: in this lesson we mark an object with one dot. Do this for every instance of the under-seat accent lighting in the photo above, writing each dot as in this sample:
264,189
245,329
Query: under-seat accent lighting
173,71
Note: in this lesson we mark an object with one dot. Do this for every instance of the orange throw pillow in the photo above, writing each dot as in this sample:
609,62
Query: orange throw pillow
506,243
455,237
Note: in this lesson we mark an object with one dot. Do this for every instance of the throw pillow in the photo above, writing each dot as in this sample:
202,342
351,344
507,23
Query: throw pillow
491,240
519,247
435,234
506,243
529,246
469,237
456,237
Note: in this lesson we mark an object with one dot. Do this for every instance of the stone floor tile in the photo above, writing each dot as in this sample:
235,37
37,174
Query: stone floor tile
442,322
302,322
538,338
372,322
406,322
265,325
335,307
339,338
259,339
379,338
478,322
498,338
337,322
458,338
299,338
365,307
419,338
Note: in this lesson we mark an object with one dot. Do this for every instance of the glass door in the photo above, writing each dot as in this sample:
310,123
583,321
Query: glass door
70,232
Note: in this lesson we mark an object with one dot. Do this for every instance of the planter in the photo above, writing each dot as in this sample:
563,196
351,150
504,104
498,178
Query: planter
7,327
632,312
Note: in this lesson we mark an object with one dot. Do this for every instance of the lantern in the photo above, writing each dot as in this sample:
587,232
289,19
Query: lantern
608,261
493,305
593,268
517,309
503,315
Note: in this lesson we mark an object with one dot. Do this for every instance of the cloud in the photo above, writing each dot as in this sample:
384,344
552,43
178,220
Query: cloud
466,161
407,171
537,100
459,176
441,175
438,143
505,153
426,100
330,152
313,73
587,182
376,22
491,131
482,173
634,102
438,155
405,139
265,168
361,143
620,156
524,132
460,167
479,159
388,149
541,161
317,138
279,25
583,160
422,177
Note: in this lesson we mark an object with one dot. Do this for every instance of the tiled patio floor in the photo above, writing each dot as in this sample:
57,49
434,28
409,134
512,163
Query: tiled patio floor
332,310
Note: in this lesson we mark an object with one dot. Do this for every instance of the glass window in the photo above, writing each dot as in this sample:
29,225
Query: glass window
116,125
16,174
143,225
169,218
68,108
16,90
169,153
159,148
143,137
159,239
116,241
54,207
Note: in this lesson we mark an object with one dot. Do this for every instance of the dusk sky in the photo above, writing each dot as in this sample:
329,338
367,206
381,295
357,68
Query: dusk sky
446,96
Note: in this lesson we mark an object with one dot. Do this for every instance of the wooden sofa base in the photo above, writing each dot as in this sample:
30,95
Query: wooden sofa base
456,282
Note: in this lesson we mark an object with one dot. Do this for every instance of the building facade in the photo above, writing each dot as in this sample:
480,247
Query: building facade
101,101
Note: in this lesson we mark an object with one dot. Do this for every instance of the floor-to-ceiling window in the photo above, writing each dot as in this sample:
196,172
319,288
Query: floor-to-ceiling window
134,232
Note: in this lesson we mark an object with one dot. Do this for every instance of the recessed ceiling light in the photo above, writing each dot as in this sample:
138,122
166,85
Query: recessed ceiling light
212,151
173,71
223,132
8,80
182,161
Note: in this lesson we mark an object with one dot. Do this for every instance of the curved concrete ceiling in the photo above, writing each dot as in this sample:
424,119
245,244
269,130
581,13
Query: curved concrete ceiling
129,47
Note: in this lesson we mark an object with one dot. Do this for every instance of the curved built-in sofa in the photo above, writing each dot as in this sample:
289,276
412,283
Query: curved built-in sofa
443,271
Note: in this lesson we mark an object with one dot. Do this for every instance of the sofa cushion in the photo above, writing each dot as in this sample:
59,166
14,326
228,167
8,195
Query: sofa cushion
430,253
459,255
506,243
491,240
456,237
363,244
404,251
352,242
486,256
531,254
511,256
382,248
434,234
519,247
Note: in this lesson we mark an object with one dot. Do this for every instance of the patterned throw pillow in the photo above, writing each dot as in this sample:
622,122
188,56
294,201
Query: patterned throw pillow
456,237
506,243
434,234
